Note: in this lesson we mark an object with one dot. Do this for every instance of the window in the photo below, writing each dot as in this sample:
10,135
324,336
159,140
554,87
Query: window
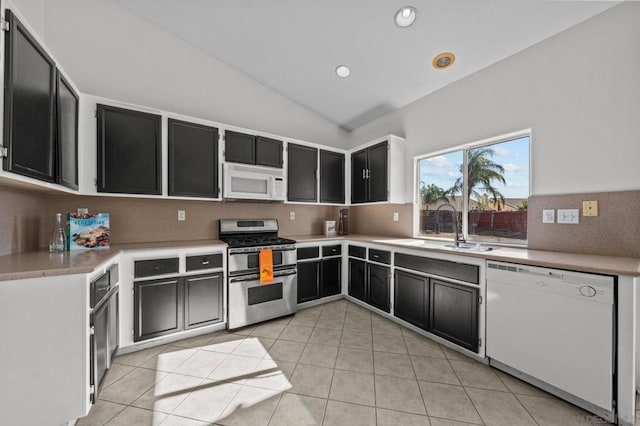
484,187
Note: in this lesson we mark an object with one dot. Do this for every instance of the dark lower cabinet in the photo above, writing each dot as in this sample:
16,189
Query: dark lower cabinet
358,279
129,151
370,283
308,281
319,276
378,278
193,159
170,305
158,308
302,164
454,313
330,276
202,300
411,298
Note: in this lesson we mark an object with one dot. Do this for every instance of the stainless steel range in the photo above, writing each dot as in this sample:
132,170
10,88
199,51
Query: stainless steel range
249,300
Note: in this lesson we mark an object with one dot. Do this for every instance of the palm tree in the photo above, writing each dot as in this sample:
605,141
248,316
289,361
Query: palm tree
431,194
482,174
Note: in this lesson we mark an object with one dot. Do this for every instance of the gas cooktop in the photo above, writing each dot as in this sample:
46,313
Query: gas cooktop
241,233
256,241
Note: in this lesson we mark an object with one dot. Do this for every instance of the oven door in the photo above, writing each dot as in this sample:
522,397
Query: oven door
243,263
251,302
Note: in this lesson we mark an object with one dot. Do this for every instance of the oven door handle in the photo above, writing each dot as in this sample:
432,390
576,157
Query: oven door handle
255,277
258,251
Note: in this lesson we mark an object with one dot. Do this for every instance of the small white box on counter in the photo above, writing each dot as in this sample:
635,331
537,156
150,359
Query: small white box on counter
330,228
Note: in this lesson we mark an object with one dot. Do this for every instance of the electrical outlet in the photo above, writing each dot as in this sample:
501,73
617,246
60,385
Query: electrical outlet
292,215
395,216
182,215
589,208
571,216
548,216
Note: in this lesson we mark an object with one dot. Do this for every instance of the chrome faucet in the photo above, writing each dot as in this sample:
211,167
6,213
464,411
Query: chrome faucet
456,226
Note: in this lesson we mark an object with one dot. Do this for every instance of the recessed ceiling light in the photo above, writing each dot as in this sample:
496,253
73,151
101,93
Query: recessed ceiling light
343,71
443,60
405,16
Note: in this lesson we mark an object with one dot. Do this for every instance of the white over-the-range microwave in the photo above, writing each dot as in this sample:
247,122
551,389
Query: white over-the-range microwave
247,182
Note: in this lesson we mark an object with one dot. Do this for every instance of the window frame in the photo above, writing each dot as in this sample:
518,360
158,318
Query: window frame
465,177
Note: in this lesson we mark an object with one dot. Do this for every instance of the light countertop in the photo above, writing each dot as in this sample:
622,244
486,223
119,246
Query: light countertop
602,264
42,263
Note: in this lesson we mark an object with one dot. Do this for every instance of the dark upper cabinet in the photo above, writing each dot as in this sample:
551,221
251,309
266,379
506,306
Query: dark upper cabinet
239,147
359,189
454,313
301,175
202,300
358,279
250,149
158,308
331,177
411,299
129,151
377,174
268,152
369,174
330,276
29,105
67,135
378,287
193,159
308,281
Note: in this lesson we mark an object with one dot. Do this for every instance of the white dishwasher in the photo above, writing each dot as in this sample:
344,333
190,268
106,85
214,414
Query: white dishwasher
554,329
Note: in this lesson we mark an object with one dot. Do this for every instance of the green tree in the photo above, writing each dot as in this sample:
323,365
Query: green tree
431,194
483,173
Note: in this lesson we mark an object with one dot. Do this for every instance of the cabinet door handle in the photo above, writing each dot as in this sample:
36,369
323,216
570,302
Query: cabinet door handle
205,262
368,175
364,173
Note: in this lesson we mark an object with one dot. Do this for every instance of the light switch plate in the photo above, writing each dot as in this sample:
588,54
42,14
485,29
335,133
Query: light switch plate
571,216
589,208
548,216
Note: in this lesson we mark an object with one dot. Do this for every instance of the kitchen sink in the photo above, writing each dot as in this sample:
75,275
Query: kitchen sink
439,245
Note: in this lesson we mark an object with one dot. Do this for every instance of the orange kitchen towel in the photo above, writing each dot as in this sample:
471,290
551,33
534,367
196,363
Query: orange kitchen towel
266,266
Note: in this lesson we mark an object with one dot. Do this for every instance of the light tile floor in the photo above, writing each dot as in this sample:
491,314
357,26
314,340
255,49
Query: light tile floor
333,364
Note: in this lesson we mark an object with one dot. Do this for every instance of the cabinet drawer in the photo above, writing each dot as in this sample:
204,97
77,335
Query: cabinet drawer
149,268
308,253
355,251
204,261
380,256
443,268
332,250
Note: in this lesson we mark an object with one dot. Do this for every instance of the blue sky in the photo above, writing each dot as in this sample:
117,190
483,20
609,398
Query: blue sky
513,155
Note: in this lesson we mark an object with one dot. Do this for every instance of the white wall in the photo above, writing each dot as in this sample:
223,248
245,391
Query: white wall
111,52
579,91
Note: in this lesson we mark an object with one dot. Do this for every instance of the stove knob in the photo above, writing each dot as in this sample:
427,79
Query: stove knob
588,291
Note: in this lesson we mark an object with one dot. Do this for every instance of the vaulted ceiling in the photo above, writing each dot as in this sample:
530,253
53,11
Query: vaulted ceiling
294,46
